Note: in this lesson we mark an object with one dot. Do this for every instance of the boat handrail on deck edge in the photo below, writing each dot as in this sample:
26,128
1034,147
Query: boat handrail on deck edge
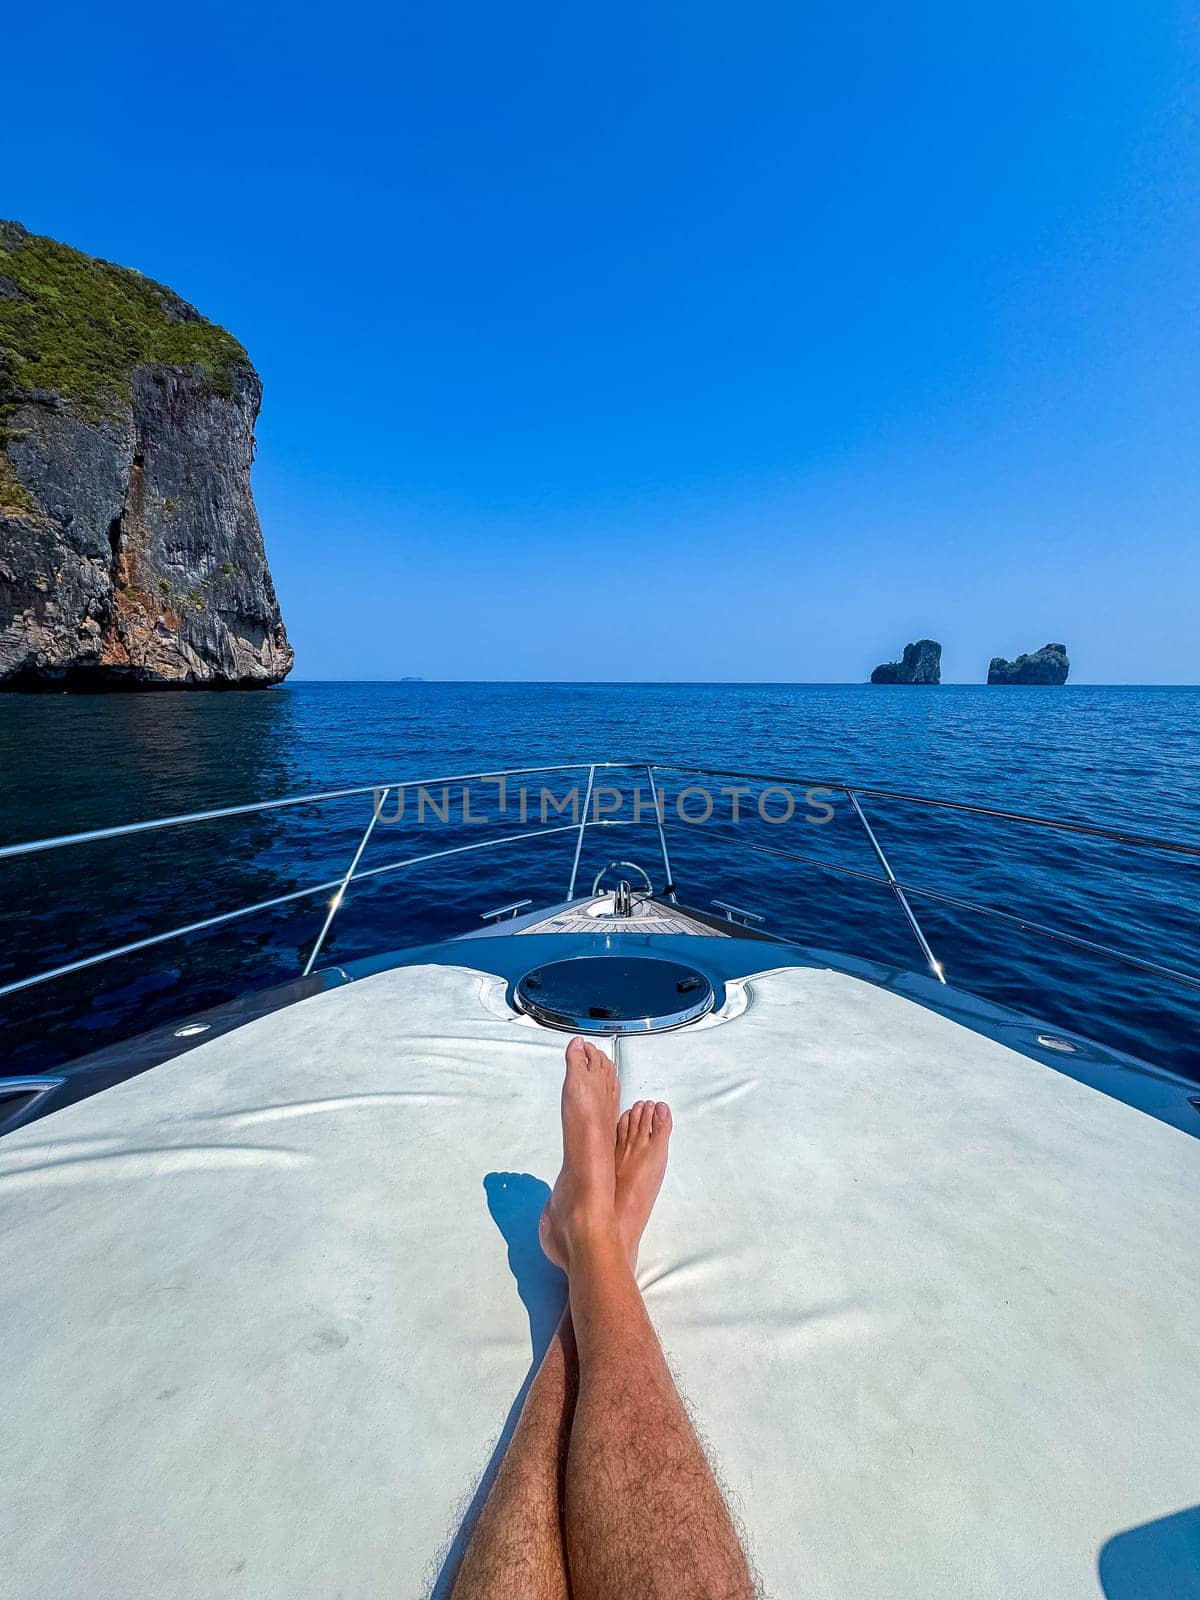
902,891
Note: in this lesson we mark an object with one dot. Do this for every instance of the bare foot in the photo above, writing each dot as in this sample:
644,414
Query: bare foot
641,1160
582,1204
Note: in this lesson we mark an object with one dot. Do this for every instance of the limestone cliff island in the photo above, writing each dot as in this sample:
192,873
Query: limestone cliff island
130,550
1049,665
921,663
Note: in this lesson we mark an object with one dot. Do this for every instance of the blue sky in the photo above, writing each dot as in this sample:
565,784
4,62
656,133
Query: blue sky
794,332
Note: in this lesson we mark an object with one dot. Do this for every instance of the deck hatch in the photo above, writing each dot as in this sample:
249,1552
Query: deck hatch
614,994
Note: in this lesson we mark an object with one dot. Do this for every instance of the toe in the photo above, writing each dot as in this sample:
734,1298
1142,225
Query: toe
624,1123
577,1053
597,1059
604,1072
662,1117
645,1113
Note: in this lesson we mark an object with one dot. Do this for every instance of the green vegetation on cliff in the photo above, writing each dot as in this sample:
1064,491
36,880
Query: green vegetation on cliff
77,327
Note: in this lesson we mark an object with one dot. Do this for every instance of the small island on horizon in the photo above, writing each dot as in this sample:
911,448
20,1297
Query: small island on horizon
921,665
1049,665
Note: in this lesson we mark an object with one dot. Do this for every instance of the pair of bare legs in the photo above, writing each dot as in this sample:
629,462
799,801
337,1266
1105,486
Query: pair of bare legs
604,1492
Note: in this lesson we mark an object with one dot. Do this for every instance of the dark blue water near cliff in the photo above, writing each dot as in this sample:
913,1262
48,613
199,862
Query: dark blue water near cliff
1127,757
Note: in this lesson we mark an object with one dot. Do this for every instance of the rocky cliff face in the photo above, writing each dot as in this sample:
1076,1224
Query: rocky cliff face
920,663
130,550
1047,665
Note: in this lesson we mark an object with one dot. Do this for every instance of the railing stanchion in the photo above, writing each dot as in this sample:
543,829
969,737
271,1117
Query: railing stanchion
377,804
583,822
669,884
935,966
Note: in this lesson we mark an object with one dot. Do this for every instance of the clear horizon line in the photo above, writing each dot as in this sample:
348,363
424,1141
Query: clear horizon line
799,683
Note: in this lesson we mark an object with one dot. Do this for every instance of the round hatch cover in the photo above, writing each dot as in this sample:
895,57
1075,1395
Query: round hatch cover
614,994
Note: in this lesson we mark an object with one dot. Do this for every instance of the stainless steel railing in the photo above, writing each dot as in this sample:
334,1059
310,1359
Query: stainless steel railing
903,892
337,887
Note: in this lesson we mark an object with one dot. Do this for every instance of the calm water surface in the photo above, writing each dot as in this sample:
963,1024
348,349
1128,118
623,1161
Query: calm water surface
1123,756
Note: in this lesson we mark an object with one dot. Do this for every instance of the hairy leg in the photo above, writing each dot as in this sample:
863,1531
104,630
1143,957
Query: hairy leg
516,1548
644,1516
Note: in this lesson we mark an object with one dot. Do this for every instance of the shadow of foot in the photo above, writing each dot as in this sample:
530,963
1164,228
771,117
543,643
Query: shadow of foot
515,1201
1157,1561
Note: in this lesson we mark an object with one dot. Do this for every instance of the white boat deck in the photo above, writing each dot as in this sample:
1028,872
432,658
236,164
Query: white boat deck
269,1306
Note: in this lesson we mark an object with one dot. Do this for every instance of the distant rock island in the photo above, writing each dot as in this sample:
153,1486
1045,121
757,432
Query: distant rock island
130,550
1047,665
920,663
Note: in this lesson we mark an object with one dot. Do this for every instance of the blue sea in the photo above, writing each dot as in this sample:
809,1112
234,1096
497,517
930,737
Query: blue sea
1125,757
